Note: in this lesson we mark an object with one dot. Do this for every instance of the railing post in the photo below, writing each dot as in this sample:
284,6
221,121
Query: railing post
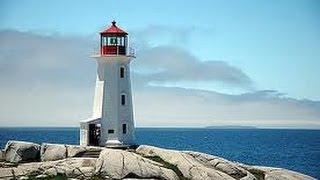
117,50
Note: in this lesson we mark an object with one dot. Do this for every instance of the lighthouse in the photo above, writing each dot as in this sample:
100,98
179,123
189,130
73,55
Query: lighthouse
112,123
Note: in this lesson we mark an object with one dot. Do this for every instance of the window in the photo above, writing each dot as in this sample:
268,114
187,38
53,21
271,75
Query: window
110,131
122,72
124,128
119,39
113,41
123,99
103,40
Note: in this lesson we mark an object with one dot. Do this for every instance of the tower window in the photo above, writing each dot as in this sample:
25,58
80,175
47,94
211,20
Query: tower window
110,131
122,72
124,128
113,41
123,99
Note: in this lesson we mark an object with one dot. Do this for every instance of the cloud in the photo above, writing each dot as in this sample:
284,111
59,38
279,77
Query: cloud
162,59
44,80
188,107
175,64
49,81
29,58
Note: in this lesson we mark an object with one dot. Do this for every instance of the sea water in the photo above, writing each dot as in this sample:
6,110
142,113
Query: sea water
297,150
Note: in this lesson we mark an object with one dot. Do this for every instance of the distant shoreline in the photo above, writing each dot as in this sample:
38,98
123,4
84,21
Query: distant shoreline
231,127
227,127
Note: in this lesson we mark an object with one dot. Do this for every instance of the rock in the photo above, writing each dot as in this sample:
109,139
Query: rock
119,164
51,172
12,173
24,178
283,174
195,165
52,152
2,156
41,176
83,151
5,164
187,164
145,162
70,167
94,148
73,150
20,151
270,173
222,165
81,172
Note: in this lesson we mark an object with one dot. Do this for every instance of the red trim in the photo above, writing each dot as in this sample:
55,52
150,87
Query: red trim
113,50
114,30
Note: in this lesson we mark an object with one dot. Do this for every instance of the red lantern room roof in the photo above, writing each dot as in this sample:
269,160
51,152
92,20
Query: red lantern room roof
113,30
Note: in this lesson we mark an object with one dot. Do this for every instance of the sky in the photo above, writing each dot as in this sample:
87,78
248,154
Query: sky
199,63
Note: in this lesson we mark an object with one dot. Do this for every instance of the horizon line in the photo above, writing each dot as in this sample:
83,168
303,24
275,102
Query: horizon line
190,127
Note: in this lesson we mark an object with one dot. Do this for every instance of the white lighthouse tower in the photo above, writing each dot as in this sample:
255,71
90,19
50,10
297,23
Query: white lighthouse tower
112,123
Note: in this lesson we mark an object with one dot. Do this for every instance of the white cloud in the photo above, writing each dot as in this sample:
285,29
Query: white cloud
49,81
176,64
178,106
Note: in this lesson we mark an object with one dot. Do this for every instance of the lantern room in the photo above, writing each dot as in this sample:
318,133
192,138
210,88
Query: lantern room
113,41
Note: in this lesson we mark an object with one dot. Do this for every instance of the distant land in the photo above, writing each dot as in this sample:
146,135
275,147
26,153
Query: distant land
177,127
231,127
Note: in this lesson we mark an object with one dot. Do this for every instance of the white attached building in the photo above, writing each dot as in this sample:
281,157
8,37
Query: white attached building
112,122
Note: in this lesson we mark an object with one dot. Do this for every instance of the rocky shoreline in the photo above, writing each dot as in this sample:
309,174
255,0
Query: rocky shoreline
27,160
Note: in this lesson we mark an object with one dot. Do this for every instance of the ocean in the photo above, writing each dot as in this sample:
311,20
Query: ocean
297,150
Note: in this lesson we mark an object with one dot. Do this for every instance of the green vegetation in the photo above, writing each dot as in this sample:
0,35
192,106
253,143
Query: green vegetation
167,165
57,177
62,177
259,174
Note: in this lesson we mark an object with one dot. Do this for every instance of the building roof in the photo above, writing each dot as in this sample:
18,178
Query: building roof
91,120
113,30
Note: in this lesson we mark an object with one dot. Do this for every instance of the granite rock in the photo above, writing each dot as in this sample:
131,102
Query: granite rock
189,167
119,164
2,156
145,162
73,150
21,151
195,165
83,151
52,152
71,167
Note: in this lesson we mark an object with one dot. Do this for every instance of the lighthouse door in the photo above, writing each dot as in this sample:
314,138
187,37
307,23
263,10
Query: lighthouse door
94,134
